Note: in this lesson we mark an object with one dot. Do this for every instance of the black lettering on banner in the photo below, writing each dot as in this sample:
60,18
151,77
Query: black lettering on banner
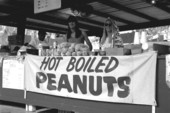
82,84
90,66
77,68
122,85
71,64
40,78
50,85
58,59
110,81
64,83
51,63
98,85
86,64
108,68
44,63
97,70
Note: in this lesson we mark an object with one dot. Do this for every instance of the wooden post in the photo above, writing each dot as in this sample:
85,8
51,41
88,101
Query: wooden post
21,20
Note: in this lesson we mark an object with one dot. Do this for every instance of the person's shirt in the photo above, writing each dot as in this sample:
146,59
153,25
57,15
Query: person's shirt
35,42
107,43
74,39
111,43
81,39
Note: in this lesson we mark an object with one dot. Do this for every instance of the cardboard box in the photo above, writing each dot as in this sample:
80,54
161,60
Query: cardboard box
117,51
135,48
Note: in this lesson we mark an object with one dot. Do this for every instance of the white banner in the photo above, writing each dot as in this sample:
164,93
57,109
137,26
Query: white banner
13,74
1,59
168,70
124,79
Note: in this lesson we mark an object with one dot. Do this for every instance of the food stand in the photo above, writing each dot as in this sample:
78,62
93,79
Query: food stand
26,95
91,103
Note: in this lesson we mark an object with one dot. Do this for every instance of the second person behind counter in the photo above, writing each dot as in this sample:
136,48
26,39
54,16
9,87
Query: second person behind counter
74,34
35,42
42,39
111,37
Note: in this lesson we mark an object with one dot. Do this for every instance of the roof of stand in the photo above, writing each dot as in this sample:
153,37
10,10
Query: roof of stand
129,14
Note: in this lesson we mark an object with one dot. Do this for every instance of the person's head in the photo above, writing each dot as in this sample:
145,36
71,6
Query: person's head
41,35
73,24
110,25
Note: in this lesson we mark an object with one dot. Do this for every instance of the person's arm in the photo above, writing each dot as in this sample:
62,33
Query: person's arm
65,38
103,36
87,40
31,47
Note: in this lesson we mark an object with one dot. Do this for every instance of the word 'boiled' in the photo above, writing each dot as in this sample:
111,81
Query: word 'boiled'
109,64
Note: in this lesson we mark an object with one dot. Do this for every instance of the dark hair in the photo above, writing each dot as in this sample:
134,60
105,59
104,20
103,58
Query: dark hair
77,30
26,44
41,32
72,19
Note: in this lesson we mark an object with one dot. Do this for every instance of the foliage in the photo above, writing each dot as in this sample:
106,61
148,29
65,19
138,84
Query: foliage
151,32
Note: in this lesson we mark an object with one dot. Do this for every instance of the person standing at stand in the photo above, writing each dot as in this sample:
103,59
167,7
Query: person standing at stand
74,34
35,42
111,37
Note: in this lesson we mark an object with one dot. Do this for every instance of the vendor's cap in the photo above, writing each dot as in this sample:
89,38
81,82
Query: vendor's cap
72,19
